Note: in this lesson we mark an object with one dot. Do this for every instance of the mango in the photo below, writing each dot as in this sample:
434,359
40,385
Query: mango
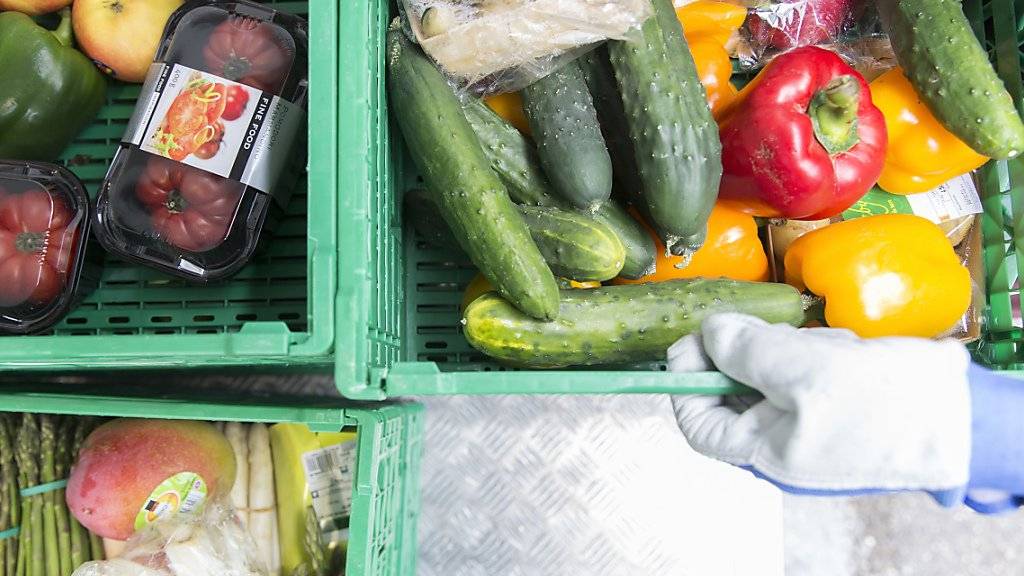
133,471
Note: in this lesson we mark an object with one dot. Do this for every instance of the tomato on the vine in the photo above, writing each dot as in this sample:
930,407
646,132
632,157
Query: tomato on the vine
237,100
188,208
249,52
36,246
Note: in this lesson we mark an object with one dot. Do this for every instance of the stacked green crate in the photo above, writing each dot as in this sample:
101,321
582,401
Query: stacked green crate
382,529
399,323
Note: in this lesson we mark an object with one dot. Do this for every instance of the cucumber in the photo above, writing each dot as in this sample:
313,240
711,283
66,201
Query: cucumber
470,195
420,209
678,152
514,158
564,124
640,248
952,74
617,324
600,79
575,246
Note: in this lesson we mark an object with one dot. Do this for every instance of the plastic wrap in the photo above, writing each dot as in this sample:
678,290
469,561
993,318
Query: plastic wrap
211,543
491,46
775,27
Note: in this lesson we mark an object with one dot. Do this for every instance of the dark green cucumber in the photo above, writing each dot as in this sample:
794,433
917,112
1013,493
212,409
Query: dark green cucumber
952,74
601,80
472,198
618,324
640,248
420,209
514,158
569,141
575,246
678,152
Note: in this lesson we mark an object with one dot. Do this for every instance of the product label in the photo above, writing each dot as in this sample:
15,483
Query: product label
330,476
954,199
184,492
214,124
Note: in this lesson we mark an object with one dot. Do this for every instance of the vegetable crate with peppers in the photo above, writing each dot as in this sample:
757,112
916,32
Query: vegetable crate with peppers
279,309
79,486
424,332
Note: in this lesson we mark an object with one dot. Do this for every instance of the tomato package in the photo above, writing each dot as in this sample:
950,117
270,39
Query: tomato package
210,155
44,228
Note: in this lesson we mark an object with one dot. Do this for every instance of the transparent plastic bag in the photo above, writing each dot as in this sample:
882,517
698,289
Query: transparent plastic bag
211,543
491,46
775,27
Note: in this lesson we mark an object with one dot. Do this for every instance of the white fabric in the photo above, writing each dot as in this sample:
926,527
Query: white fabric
840,413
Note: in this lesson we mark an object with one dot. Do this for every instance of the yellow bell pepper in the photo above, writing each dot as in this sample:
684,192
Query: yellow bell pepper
732,250
510,107
892,275
709,27
922,154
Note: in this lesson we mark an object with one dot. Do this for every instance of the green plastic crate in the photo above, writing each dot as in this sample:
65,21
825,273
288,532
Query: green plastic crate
278,311
399,320
385,498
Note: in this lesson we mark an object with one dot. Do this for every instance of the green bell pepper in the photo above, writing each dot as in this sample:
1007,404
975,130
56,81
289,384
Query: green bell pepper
48,90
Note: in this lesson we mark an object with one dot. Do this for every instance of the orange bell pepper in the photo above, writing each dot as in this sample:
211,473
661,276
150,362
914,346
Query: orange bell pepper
510,107
732,250
480,285
922,154
892,275
709,27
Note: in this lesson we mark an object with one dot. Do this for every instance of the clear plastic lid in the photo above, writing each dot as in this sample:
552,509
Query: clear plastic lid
217,124
44,226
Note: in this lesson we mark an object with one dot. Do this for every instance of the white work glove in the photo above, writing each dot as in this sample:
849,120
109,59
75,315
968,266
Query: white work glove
840,414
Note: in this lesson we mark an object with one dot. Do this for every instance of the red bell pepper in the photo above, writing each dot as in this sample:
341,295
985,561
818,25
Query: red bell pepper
803,141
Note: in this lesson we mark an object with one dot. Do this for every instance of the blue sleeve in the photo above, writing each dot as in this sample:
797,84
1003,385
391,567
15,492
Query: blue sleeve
997,441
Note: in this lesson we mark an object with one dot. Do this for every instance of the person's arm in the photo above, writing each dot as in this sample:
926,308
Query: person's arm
997,441
844,415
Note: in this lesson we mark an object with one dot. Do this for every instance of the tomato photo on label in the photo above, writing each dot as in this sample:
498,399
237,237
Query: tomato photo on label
189,208
249,52
211,146
36,245
237,100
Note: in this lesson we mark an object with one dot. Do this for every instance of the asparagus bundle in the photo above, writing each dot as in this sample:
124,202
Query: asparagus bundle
9,512
37,452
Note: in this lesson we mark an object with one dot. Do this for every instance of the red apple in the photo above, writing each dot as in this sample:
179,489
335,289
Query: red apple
121,36
33,7
122,467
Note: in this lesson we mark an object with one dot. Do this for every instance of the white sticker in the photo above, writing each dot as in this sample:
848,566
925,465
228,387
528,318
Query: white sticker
216,125
330,474
954,199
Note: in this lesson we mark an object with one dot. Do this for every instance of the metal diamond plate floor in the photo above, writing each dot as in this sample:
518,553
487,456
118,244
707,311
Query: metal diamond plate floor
602,486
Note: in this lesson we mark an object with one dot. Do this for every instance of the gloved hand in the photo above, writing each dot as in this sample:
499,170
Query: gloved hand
840,415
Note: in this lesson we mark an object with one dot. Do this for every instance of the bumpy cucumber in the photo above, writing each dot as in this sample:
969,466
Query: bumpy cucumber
620,323
470,195
951,72
601,80
678,152
569,141
575,246
420,209
514,158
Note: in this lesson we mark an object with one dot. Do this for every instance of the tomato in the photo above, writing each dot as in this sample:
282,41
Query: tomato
249,52
237,100
36,244
210,148
188,208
